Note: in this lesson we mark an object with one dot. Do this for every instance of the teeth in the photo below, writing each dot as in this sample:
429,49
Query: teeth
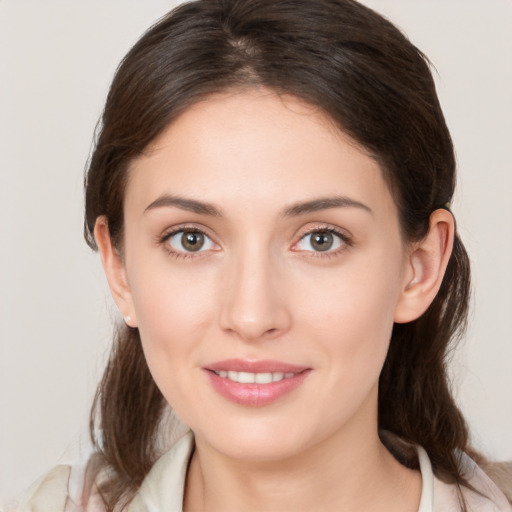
246,377
263,378
251,378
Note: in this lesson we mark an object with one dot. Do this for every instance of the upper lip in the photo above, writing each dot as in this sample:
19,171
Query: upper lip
263,366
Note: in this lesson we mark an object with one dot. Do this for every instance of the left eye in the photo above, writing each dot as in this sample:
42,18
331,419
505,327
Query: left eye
190,241
320,241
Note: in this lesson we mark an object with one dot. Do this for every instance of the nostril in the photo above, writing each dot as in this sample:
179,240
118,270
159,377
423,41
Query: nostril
253,314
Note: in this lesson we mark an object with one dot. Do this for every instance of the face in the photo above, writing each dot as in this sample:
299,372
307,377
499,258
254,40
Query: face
264,265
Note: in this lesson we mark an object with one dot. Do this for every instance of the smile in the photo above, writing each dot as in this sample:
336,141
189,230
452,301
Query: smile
254,378
255,383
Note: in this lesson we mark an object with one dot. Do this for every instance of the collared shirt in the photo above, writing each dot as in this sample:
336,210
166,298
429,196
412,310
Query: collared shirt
163,487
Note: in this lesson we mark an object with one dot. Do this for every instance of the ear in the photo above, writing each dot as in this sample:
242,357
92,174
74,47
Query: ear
425,267
115,271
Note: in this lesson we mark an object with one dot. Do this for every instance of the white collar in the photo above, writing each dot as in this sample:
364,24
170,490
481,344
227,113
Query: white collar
163,487
427,485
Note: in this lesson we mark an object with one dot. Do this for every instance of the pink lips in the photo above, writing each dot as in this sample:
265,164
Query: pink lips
255,394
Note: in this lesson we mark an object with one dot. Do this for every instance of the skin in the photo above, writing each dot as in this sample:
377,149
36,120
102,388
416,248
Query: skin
258,289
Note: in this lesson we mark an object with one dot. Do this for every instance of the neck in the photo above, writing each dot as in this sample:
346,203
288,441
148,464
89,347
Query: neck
349,471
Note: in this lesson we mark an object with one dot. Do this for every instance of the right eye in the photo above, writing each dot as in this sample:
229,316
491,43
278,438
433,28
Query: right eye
189,240
322,240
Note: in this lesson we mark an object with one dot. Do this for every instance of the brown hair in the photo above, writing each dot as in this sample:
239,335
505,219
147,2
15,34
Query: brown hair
377,87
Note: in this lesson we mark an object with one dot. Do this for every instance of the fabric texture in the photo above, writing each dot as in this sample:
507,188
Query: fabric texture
162,490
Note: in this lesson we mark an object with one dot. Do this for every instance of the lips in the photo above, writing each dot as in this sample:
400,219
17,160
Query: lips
242,365
255,383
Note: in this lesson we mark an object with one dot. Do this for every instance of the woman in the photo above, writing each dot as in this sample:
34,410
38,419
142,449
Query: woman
270,196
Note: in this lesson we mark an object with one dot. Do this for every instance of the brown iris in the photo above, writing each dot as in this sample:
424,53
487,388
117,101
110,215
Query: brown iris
192,241
322,240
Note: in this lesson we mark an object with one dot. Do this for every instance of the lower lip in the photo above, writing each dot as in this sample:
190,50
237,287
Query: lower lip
255,395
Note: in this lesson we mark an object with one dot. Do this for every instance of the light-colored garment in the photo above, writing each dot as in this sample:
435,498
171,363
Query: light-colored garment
162,489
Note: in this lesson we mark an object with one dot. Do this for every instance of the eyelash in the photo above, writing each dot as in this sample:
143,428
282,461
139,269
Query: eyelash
176,254
345,240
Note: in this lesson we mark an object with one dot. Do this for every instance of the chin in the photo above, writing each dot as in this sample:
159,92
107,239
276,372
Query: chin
257,439
261,448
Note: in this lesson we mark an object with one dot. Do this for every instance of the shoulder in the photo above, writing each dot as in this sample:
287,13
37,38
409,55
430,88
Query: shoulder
484,497
65,488
49,493
70,488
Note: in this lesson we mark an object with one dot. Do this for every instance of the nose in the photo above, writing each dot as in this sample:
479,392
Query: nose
253,303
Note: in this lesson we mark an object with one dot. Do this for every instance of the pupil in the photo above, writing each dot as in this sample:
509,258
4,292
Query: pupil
322,241
192,241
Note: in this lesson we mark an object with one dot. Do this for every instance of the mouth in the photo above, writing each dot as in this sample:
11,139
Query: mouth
254,378
255,383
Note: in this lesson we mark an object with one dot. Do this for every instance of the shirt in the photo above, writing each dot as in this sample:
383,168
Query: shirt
162,489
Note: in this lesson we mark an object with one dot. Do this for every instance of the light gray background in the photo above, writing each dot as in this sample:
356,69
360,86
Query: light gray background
56,61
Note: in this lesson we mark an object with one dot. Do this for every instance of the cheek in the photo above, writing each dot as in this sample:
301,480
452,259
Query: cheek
352,314
174,309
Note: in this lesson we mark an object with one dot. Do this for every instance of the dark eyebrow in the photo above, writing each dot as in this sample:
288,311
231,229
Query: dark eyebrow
191,205
203,208
323,203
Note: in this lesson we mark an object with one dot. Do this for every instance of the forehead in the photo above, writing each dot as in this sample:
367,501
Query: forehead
255,147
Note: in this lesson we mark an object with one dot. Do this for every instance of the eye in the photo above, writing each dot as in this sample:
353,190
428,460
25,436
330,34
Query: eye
190,240
321,240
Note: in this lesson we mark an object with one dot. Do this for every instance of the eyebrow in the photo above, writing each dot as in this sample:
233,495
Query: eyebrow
296,209
324,203
183,203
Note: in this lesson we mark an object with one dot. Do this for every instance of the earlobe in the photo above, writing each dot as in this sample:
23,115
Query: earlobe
115,271
426,266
